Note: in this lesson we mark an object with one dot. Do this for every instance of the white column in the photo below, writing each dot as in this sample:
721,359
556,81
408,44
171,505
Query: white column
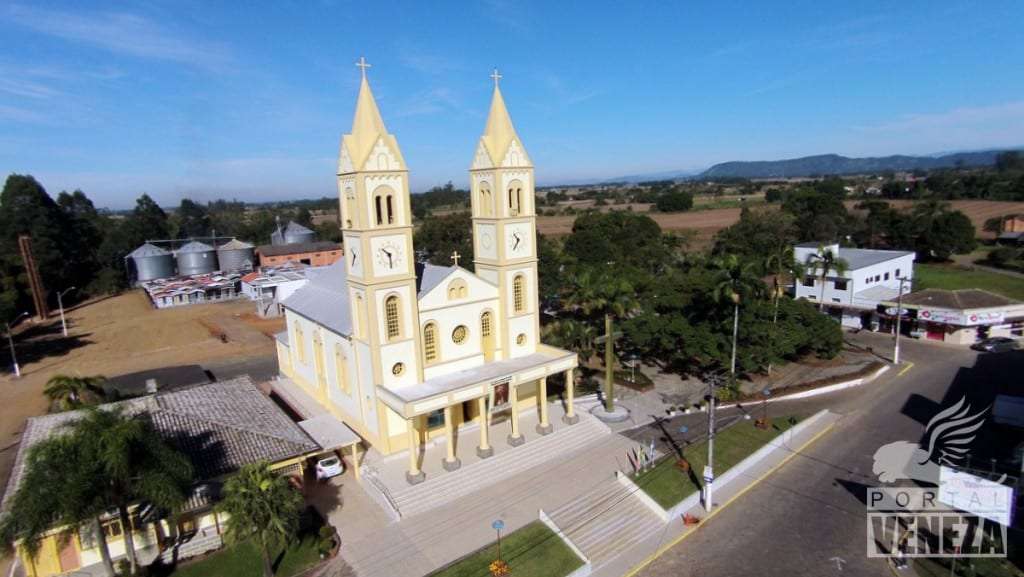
484,450
515,438
570,416
451,462
543,427
413,475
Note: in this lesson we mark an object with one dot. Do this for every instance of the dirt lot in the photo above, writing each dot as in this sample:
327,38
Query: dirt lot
707,222
122,335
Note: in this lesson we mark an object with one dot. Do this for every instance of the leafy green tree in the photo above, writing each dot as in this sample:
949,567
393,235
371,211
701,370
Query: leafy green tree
262,506
941,231
783,264
148,221
26,208
618,239
1009,160
604,295
74,392
675,201
823,263
193,220
440,236
756,232
818,216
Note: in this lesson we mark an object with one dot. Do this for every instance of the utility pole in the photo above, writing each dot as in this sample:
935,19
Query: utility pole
60,304
10,341
709,471
899,315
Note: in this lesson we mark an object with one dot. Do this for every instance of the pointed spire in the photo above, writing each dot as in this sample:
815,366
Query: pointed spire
499,132
367,125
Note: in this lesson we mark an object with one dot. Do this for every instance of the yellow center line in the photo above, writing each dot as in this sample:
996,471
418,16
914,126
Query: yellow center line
739,494
909,366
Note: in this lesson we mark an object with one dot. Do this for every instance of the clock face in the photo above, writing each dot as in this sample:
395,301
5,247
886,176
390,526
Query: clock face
518,241
389,256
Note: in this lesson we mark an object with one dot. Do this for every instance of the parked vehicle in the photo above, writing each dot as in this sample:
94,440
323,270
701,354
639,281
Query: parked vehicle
996,345
329,466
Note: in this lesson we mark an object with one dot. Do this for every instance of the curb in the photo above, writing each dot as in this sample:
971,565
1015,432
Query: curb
663,549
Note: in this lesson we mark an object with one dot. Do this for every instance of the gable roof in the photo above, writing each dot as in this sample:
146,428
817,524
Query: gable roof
324,299
429,276
219,426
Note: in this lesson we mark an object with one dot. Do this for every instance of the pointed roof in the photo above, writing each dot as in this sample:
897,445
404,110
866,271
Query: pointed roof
499,133
367,129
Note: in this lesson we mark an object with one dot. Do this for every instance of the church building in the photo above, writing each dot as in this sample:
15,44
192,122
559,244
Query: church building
403,352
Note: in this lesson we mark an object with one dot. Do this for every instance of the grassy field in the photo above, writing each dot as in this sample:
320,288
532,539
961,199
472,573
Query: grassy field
952,278
243,560
668,485
533,550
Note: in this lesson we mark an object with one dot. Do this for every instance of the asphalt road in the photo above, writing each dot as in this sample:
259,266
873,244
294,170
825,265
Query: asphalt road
808,518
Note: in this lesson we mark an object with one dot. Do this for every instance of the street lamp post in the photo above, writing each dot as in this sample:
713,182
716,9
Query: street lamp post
899,316
709,471
10,341
60,304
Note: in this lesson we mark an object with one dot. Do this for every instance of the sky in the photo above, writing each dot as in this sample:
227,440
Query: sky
248,100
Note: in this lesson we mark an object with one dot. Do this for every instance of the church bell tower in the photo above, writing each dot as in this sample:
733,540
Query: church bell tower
373,183
504,227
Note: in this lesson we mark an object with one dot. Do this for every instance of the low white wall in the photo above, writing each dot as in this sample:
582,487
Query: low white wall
736,470
642,495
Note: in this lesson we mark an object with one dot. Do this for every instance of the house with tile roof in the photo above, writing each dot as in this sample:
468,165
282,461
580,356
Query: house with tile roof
218,426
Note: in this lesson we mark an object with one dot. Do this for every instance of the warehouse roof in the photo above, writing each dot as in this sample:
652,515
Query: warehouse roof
218,426
324,298
297,248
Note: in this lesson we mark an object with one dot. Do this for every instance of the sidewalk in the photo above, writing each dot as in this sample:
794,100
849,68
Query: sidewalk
675,531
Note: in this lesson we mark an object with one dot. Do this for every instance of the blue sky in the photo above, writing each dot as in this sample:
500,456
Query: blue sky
209,99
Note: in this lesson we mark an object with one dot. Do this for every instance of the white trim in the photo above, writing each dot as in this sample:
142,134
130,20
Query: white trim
646,499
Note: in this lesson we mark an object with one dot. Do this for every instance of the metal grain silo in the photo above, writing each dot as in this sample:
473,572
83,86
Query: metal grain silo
236,256
196,258
296,233
151,262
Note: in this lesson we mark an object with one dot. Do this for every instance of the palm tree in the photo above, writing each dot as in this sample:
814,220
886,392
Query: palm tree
734,282
55,490
606,295
826,260
261,505
102,460
74,392
134,464
781,263
573,335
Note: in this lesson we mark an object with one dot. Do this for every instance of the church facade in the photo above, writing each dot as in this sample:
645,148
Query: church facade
403,352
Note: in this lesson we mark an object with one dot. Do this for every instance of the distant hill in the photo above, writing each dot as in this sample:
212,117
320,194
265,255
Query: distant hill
834,164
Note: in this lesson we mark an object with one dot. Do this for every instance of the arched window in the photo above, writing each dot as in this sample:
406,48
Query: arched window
430,342
518,294
391,209
487,335
457,289
394,326
486,201
380,213
340,368
515,198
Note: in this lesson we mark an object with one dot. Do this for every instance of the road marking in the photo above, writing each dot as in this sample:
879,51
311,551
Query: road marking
662,550
909,366
839,563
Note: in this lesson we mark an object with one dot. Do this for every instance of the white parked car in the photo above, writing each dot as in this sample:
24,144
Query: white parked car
329,466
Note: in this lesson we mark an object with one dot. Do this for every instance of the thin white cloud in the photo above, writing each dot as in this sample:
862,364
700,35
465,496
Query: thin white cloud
507,13
997,115
20,115
425,62
965,128
121,33
430,101
26,88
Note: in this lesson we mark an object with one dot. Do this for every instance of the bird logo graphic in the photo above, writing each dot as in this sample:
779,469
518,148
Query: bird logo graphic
949,434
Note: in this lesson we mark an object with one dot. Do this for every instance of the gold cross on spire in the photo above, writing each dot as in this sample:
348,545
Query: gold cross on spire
496,76
363,65
455,257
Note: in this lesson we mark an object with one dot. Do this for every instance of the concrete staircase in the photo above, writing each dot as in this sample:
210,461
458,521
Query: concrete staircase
606,522
447,487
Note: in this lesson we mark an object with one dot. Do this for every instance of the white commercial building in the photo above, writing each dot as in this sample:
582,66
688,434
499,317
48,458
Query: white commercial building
871,277
271,285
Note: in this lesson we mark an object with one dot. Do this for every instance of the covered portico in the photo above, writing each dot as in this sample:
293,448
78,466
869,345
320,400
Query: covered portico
495,387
